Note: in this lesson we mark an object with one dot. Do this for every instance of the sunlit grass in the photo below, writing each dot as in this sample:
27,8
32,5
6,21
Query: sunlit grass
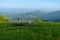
46,31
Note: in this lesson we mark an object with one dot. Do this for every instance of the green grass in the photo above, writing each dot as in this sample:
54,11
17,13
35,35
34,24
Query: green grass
46,31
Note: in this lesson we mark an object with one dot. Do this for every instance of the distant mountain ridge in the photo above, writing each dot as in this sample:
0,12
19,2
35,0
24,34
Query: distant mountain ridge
54,16
12,13
36,14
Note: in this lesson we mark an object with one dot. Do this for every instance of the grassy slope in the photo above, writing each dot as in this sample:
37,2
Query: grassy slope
46,31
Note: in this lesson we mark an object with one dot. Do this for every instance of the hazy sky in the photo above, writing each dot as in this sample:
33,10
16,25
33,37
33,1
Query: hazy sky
42,4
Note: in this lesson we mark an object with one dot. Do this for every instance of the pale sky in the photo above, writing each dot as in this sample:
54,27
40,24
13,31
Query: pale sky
42,4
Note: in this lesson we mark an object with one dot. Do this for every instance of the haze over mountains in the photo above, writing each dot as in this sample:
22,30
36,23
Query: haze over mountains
51,16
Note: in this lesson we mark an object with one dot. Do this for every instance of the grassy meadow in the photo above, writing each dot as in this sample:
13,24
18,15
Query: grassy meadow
46,31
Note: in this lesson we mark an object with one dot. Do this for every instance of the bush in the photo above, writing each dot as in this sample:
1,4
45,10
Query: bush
38,21
2,18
